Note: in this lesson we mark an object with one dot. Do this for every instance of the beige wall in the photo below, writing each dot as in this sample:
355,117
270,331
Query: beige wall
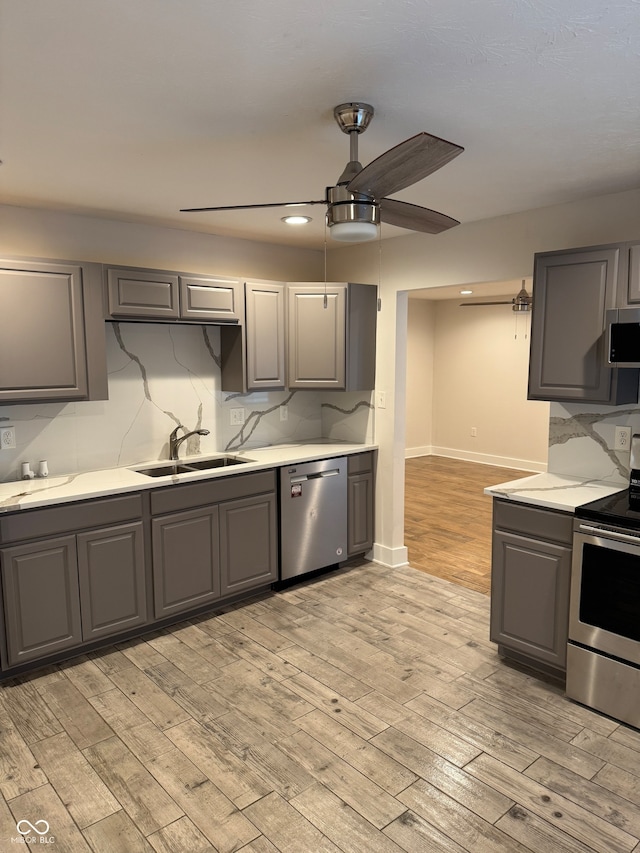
54,234
499,249
480,381
421,317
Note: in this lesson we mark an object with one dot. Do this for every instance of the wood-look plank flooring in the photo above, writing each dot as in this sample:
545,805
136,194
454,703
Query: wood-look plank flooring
362,711
448,518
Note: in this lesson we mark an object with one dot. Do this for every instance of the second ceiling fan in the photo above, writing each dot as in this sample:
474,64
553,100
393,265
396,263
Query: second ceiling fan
358,202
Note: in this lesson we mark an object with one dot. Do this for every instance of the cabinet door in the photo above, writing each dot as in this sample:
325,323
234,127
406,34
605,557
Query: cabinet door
209,298
42,338
572,292
359,513
530,597
142,293
248,543
186,560
633,291
111,569
316,336
265,335
41,598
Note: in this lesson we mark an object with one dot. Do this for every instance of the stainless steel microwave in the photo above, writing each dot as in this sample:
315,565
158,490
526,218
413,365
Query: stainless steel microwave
623,337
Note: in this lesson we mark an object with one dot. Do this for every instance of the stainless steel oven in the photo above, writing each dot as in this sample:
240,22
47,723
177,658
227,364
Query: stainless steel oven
603,655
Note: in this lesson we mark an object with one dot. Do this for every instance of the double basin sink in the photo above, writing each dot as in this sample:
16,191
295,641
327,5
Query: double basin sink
166,470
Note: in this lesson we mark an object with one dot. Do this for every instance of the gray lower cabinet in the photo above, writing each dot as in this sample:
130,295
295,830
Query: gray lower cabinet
66,580
331,336
212,539
145,294
52,341
186,561
360,506
530,578
111,571
248,543
41,599
572,292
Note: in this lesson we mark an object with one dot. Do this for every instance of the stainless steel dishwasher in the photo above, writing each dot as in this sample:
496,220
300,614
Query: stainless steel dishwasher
313,516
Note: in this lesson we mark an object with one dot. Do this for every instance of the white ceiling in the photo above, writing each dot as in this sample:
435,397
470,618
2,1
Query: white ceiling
135,109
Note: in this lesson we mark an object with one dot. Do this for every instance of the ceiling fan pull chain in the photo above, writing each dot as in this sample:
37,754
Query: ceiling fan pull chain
379,265
325,264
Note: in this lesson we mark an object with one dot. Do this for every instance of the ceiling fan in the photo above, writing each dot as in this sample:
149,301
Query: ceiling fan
521,302
358,202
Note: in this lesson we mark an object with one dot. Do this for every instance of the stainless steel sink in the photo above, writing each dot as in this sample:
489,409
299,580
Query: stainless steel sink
204,464
164,470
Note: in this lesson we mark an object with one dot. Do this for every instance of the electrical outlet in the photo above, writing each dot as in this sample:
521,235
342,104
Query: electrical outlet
284,413
8,438
236,417
622,440
474,432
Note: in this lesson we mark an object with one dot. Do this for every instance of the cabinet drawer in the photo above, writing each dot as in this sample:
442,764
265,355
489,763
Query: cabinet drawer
360,463
533,521
34,523
176,498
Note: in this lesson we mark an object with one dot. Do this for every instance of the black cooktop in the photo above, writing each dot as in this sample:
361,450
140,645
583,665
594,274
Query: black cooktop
620,508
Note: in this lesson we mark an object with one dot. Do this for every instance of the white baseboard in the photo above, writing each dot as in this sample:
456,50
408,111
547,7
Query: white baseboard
411,452
482,458
392,558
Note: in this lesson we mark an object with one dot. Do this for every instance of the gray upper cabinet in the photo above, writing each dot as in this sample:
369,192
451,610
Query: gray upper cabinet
572,291
631,294
143,294
52,341
331,336
265,331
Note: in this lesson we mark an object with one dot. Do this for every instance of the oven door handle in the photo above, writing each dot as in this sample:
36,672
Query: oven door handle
609,534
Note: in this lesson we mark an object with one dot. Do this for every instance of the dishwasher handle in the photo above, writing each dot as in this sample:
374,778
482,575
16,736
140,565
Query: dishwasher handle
333,472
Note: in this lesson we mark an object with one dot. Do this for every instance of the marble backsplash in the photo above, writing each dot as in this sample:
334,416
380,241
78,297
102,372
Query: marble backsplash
161,376
581,441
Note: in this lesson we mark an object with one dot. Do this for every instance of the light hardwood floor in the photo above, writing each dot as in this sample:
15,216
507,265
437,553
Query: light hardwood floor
363,711
448,518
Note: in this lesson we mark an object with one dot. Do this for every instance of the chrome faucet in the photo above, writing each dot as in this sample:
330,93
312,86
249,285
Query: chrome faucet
175,442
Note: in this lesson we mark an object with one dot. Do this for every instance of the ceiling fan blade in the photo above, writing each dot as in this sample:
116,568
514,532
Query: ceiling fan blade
472,304
414,217
403,165
251,206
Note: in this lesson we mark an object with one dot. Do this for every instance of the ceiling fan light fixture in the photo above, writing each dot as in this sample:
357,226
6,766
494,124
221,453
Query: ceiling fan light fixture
354,232
351,221
296,219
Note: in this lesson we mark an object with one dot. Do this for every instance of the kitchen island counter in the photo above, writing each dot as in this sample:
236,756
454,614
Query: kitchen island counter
29,494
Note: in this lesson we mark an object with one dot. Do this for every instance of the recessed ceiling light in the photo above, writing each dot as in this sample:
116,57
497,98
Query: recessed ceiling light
296,220
466,292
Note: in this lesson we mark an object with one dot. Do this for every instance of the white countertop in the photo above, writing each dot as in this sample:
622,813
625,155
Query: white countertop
553,491
28,494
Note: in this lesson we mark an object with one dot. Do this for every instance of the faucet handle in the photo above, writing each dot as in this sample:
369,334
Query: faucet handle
174,433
